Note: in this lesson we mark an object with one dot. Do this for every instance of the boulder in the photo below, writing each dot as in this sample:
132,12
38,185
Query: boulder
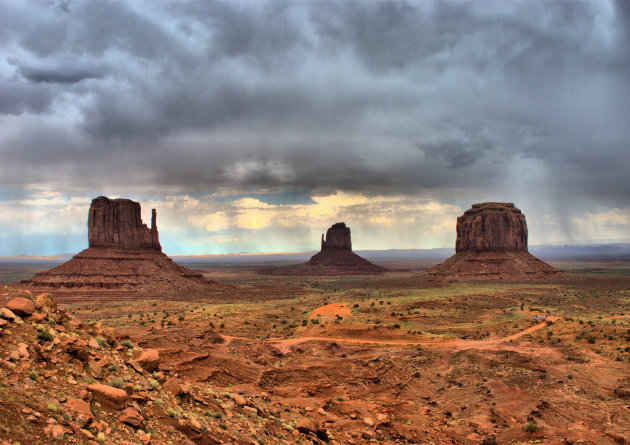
21,306
131,417
172,386
79,407
8,314
149,359
45,302
623,391
491,226
108,395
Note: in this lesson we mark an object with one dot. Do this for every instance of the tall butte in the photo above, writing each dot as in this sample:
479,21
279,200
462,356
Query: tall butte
492,245
336,253
124,258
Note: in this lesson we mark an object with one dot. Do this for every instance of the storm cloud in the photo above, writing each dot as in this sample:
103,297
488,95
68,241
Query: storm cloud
453,101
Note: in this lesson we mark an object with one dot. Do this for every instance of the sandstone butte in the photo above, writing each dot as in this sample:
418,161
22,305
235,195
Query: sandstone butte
335,258
336,253
492,245
124,258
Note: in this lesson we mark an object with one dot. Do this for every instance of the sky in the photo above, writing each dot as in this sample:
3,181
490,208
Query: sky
252,126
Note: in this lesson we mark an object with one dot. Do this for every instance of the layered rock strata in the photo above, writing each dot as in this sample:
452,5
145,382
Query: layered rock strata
124,259
492,244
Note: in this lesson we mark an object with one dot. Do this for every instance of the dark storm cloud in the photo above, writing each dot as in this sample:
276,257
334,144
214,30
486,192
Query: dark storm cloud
56,75
370,96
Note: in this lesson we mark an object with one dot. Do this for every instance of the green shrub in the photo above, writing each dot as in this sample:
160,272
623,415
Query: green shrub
45,336
32,375
127,344
52,407
117,382
531,427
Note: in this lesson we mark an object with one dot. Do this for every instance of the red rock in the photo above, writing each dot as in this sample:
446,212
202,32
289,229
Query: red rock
195,425
22,349
149,359
108,395
337,237
336,254
492,245
123,254
118,223
491,226
239,400
35,317
57,432
136,366
21,306
172,386
77,406
46,302
131,417
623,391
37,353
8,314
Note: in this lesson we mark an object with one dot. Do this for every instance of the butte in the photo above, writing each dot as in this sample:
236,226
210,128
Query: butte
124,259
335,258
492,245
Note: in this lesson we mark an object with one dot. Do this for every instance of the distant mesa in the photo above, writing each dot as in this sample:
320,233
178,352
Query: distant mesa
335,258
124,258
492,244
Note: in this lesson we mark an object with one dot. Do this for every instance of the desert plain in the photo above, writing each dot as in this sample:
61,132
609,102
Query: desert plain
389,358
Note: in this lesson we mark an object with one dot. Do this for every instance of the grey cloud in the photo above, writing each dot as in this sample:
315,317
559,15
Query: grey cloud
57,75
370,96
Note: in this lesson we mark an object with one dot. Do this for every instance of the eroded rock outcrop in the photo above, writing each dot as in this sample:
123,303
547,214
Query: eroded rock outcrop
492,226
118,223
492,245
124,258
337,237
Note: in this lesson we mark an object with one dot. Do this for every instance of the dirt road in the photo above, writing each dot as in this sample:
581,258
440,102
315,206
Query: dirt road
284,345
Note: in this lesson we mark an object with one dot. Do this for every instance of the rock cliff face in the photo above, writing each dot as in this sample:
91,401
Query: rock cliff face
492,245
492,227
118,223
337,237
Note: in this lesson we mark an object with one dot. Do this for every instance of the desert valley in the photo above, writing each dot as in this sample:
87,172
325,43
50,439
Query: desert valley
122,345
331,222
